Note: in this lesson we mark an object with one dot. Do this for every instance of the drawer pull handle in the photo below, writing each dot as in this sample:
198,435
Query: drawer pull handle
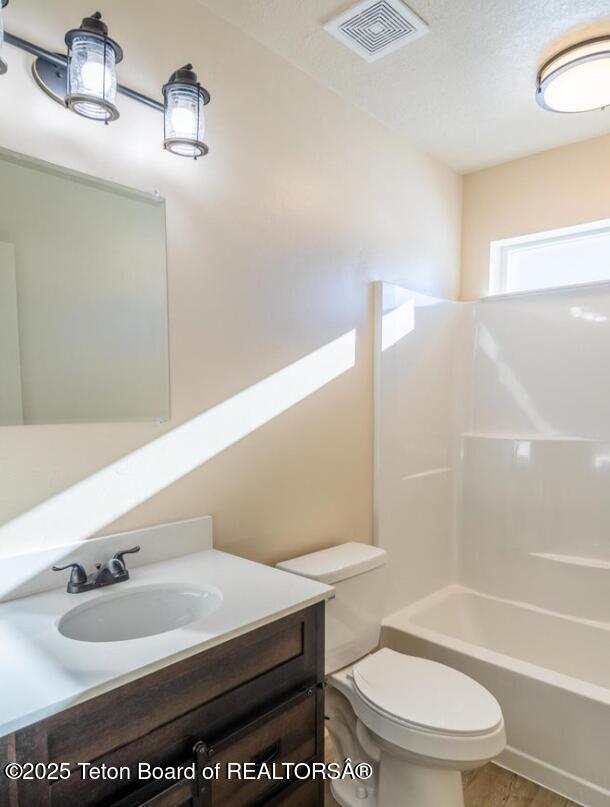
266,756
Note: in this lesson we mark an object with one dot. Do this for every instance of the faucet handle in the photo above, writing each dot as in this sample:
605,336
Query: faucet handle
119,555
78,576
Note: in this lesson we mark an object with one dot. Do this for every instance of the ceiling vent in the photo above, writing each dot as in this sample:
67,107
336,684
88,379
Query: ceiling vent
375,28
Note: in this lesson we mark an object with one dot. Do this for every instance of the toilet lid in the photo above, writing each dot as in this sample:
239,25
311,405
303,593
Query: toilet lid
425,694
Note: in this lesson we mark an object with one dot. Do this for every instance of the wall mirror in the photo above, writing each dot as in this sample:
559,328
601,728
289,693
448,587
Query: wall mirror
83,298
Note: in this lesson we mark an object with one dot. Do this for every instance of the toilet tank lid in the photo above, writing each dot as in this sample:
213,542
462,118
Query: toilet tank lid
337,563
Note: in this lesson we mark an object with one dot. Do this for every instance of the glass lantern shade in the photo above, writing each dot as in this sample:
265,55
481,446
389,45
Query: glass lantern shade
91,74
3,65
184,114
184,121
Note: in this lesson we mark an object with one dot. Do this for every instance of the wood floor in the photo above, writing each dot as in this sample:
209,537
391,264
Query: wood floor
492,786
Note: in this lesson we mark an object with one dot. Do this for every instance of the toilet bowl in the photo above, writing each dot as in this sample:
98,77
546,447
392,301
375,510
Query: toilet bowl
414,723
421,723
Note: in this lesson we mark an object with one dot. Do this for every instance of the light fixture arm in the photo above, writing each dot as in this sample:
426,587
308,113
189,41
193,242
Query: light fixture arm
61,61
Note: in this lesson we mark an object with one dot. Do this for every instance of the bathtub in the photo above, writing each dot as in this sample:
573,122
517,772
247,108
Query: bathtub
550,673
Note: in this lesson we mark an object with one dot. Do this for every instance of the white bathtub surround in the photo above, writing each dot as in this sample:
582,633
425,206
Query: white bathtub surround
536,522
549,672
541,487
44,671
419,375
508,401
574,560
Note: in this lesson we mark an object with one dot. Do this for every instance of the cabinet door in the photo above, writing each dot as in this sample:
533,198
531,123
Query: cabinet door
258,760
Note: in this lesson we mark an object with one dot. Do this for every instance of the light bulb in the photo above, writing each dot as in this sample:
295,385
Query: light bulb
182,120
95,77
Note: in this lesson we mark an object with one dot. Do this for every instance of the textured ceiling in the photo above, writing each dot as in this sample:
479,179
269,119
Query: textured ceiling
464,92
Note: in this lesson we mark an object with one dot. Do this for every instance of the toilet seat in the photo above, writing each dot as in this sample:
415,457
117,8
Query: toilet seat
425,695
423,709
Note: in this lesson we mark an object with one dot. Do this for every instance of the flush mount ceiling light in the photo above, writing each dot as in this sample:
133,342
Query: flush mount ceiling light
184,117
576,79
86,82
3,65
92,60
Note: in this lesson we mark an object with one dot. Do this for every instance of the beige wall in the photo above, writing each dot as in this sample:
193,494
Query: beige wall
556,188
273,240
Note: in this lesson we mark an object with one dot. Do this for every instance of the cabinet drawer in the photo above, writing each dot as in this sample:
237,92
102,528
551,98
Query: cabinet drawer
288,735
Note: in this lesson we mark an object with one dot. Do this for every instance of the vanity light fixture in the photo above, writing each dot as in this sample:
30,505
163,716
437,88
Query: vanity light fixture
91,74
576,79
86,82
184,115
3,64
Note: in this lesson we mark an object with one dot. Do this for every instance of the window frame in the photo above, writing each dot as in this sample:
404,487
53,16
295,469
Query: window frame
501,250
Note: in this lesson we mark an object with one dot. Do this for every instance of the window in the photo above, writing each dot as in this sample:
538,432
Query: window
551,259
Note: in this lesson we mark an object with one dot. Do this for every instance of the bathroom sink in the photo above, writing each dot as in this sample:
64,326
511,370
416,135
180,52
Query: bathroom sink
139,612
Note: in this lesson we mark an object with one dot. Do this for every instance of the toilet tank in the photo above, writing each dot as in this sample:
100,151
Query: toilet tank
353,617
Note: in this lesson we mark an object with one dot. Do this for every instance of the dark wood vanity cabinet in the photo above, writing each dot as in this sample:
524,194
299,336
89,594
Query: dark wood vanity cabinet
254,699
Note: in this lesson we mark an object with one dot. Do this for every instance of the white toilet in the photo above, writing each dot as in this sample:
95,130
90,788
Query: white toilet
418,723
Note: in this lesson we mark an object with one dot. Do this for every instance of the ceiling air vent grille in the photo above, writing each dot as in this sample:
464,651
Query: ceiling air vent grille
374,29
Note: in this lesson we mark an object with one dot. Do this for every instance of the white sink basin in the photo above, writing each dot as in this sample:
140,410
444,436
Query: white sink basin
138,612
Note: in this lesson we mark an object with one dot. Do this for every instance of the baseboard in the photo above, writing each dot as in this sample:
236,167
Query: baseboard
565,784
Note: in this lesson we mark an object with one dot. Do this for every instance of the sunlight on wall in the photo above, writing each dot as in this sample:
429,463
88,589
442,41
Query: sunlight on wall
98,500
581,313
397,323
507,377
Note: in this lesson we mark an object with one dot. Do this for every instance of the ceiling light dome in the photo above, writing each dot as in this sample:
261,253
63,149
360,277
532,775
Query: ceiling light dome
576,79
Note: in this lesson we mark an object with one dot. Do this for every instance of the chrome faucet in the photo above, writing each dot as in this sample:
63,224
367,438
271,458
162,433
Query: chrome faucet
111,572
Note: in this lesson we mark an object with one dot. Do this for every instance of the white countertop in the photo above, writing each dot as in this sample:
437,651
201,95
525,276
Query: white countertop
43,672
